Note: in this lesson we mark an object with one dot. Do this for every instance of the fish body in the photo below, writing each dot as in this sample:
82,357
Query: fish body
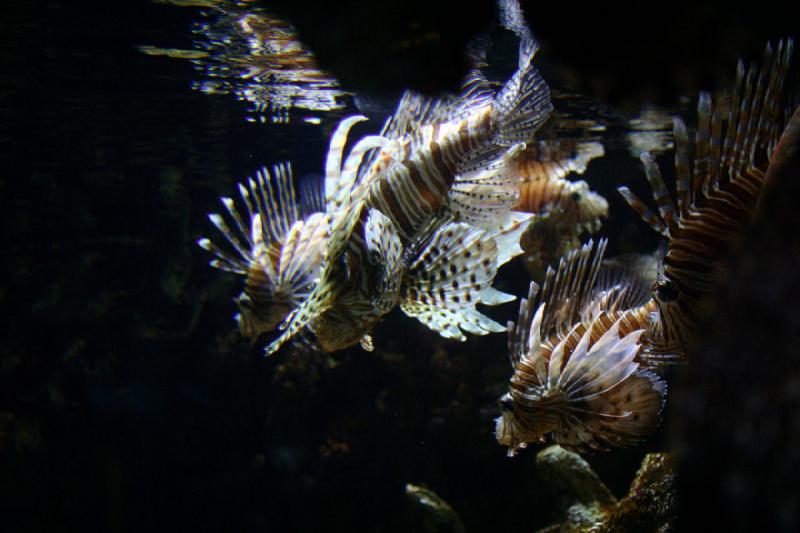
563,210
369,277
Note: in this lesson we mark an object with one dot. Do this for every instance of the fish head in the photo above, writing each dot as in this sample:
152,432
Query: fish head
340,328
665,292
507,429
678,313
255,320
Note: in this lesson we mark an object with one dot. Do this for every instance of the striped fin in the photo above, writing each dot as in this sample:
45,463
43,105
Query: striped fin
334,186
384,255
274,199
644,212
311,190
715,146
594,370
485,197
620,417
317,302
774,132
512,19
302,254
522,106
682,178
624,282
755,113
518,334
352,164
263,259
664,202
753,118
448,278
448,322
728,146
223,260
271,210
507,233
416,110
531,348
567,290
701,148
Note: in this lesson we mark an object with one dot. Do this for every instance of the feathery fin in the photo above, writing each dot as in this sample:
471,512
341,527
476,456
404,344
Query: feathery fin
449,277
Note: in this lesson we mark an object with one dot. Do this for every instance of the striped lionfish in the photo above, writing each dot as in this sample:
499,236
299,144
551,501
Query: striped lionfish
562,209
419,216
577,372
438,196
716,196
279,248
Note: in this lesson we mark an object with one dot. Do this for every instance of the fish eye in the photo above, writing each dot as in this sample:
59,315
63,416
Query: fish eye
576,196
506,403
244,302
666,291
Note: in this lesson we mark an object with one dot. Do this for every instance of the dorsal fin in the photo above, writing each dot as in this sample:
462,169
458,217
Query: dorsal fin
270,201
623,282
567,290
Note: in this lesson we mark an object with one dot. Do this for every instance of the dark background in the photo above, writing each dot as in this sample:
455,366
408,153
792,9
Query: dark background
127,402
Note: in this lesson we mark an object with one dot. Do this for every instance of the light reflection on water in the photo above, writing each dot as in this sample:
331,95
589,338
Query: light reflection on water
241,49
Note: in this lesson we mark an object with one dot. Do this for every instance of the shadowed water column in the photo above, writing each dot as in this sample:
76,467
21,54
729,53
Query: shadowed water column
736,410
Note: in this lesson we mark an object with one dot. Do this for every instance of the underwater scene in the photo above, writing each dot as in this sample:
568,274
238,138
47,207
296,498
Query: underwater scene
399,266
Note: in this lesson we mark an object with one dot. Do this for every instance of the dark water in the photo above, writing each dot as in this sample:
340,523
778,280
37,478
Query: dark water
127,402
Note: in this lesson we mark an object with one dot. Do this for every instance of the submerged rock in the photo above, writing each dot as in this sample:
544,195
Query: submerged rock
650,503
429,513
584,499
588,505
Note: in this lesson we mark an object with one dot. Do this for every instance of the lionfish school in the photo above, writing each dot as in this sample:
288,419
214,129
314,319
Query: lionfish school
423,214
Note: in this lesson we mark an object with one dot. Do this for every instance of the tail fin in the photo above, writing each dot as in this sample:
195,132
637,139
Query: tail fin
522,106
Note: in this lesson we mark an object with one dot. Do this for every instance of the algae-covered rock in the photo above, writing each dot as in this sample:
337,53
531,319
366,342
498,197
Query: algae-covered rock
650,503
583,497
589,506
430,513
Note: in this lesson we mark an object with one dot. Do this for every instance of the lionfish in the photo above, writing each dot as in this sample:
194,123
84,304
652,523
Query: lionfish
563,210
716,195
577,375
279,247
426,221
417,216
257,56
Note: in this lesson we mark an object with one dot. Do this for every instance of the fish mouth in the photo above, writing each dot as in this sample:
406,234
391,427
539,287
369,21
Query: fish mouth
255,321
502,431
